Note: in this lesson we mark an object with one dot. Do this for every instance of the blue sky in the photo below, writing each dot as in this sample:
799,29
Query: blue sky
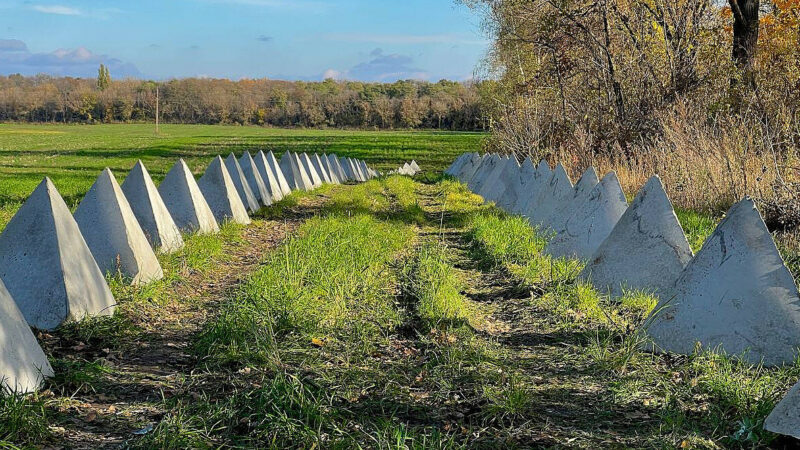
377,40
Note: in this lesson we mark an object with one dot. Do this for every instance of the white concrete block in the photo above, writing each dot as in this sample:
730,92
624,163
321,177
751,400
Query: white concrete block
296,177
329,169
150,210
279,174
785,417
46,265
306,164
553,195
240,181
113,234
272,180
320,168
583,188
220,192
185,202
647,249
254,179
533,187
592,222
736,296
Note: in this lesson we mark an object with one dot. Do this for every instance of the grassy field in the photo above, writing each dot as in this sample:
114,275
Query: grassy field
391,314
73,155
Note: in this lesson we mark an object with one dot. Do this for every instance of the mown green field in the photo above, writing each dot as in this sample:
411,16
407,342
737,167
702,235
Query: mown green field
73,155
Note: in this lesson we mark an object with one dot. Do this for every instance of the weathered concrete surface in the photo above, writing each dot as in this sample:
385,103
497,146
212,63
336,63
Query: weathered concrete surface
46,265
360,176
553,195
295,176
279,174
459,162
647,249
320,168
23,364
512,190
558,219
592,222
308,166
785,418
736,296
220,193
185,202
467,172
330,169
348,170
150,210
113,234
336,164
495,185
255,180
269,177
365,169
415,166
240,181
533,187
488,164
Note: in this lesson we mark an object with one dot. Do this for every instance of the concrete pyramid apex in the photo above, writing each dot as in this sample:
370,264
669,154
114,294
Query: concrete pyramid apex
512,181
185,201
785,418
532,188
220,192
354,169
647,249
488,164
453,168
592,222
295,176
305,163
553,195
150,210
527,169
283,184
254,179
467,172
325,162
320,168
357,169
348,170
46,265
558,219
365,170
736,295
241,183
337,166
113,234
23,364
268,176
493,185
414,165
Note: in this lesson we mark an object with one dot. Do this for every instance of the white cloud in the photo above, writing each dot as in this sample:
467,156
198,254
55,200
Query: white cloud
381,67
57,9
79,62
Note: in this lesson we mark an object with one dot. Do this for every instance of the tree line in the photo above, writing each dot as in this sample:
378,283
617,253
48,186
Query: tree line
444,105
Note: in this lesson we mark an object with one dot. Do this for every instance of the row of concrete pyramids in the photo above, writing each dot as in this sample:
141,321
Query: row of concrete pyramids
409,169
53,262
736,295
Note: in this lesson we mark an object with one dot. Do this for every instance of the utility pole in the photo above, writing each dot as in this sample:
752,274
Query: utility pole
156,108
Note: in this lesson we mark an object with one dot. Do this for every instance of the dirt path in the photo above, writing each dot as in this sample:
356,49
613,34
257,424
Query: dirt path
112,392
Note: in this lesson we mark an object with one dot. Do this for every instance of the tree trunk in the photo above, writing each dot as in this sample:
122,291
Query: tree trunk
745,35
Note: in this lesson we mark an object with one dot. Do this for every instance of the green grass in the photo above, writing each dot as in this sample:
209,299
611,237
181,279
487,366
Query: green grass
73,155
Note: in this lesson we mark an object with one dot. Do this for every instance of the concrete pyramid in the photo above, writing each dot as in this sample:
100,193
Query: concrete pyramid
46,265
736,295
552,196
305,163
646,250
254,179
295,176
220,192
356,170
271,179
279,174
240,181
331,169
488,164
469,168
320,168
532,187
113,234
558,219
23,364
150,210
495,185
347,168
513,188
365,169
453,169
785,418
362,169
337,166
415,166
185,202
592,222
